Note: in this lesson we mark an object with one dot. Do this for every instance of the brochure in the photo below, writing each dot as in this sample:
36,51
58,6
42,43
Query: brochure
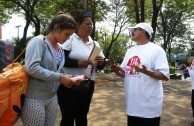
95,52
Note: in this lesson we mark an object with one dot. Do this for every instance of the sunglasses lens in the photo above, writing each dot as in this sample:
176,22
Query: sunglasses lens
87,14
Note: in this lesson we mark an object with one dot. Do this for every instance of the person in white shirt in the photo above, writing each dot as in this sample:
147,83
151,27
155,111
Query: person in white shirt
144,66
191,73
73,102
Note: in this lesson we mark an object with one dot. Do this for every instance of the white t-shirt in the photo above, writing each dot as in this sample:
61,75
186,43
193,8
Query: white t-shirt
144,94
191,73
80,51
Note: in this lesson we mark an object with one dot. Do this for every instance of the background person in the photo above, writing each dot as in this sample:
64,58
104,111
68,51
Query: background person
191,73
144,66
43,60
186,72
74,106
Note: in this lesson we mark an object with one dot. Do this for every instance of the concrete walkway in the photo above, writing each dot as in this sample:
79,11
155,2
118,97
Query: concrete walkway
108,105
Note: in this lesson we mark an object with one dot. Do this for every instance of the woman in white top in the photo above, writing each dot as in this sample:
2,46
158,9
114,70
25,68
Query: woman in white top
74,104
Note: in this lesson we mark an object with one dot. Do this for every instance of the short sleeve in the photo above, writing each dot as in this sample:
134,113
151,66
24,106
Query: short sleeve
161,62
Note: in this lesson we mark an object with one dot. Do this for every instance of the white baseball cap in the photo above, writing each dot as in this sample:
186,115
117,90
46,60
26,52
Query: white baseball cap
146,26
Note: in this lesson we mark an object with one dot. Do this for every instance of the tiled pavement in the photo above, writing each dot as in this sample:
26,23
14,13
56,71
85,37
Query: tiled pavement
108,106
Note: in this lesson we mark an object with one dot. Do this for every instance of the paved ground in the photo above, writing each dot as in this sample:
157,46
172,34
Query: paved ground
108,106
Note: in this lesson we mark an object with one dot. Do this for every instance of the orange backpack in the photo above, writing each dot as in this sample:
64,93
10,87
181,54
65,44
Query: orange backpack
13,83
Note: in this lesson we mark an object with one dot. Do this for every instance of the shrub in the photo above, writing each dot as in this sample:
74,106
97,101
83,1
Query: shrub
107,70
172,70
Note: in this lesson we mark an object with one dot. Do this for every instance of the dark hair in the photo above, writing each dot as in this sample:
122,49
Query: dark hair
147,35
62,20
85,14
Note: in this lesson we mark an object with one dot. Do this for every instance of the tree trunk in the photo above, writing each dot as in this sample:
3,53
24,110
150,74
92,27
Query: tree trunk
156,9
142,3
136,11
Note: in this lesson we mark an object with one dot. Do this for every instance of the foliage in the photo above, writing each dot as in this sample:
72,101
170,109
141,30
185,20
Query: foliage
144,11
107,70
172,26
109,39
138,14
99,9
4,14
26,8
180,48
39,12
172,70
119,47
19,47
172,29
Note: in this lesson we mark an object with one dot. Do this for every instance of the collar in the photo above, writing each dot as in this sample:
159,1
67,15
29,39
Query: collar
90,42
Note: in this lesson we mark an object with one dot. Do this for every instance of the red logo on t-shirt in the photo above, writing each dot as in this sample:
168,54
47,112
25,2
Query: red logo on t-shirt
131,65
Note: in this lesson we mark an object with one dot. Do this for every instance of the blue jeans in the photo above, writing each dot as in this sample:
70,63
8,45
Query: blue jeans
186,74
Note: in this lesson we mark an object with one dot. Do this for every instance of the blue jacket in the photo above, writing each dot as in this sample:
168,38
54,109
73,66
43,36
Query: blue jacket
41,66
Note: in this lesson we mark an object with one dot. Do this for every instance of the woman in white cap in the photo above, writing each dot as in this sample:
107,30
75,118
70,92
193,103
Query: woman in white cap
144,66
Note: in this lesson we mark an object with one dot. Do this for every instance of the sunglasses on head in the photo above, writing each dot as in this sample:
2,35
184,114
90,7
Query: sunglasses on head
87,13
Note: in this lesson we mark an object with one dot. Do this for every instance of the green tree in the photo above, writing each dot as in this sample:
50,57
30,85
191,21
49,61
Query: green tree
172,25
119,47
144,11
38,13
35,12
4,14
99,9
24,8
43,13
119,20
